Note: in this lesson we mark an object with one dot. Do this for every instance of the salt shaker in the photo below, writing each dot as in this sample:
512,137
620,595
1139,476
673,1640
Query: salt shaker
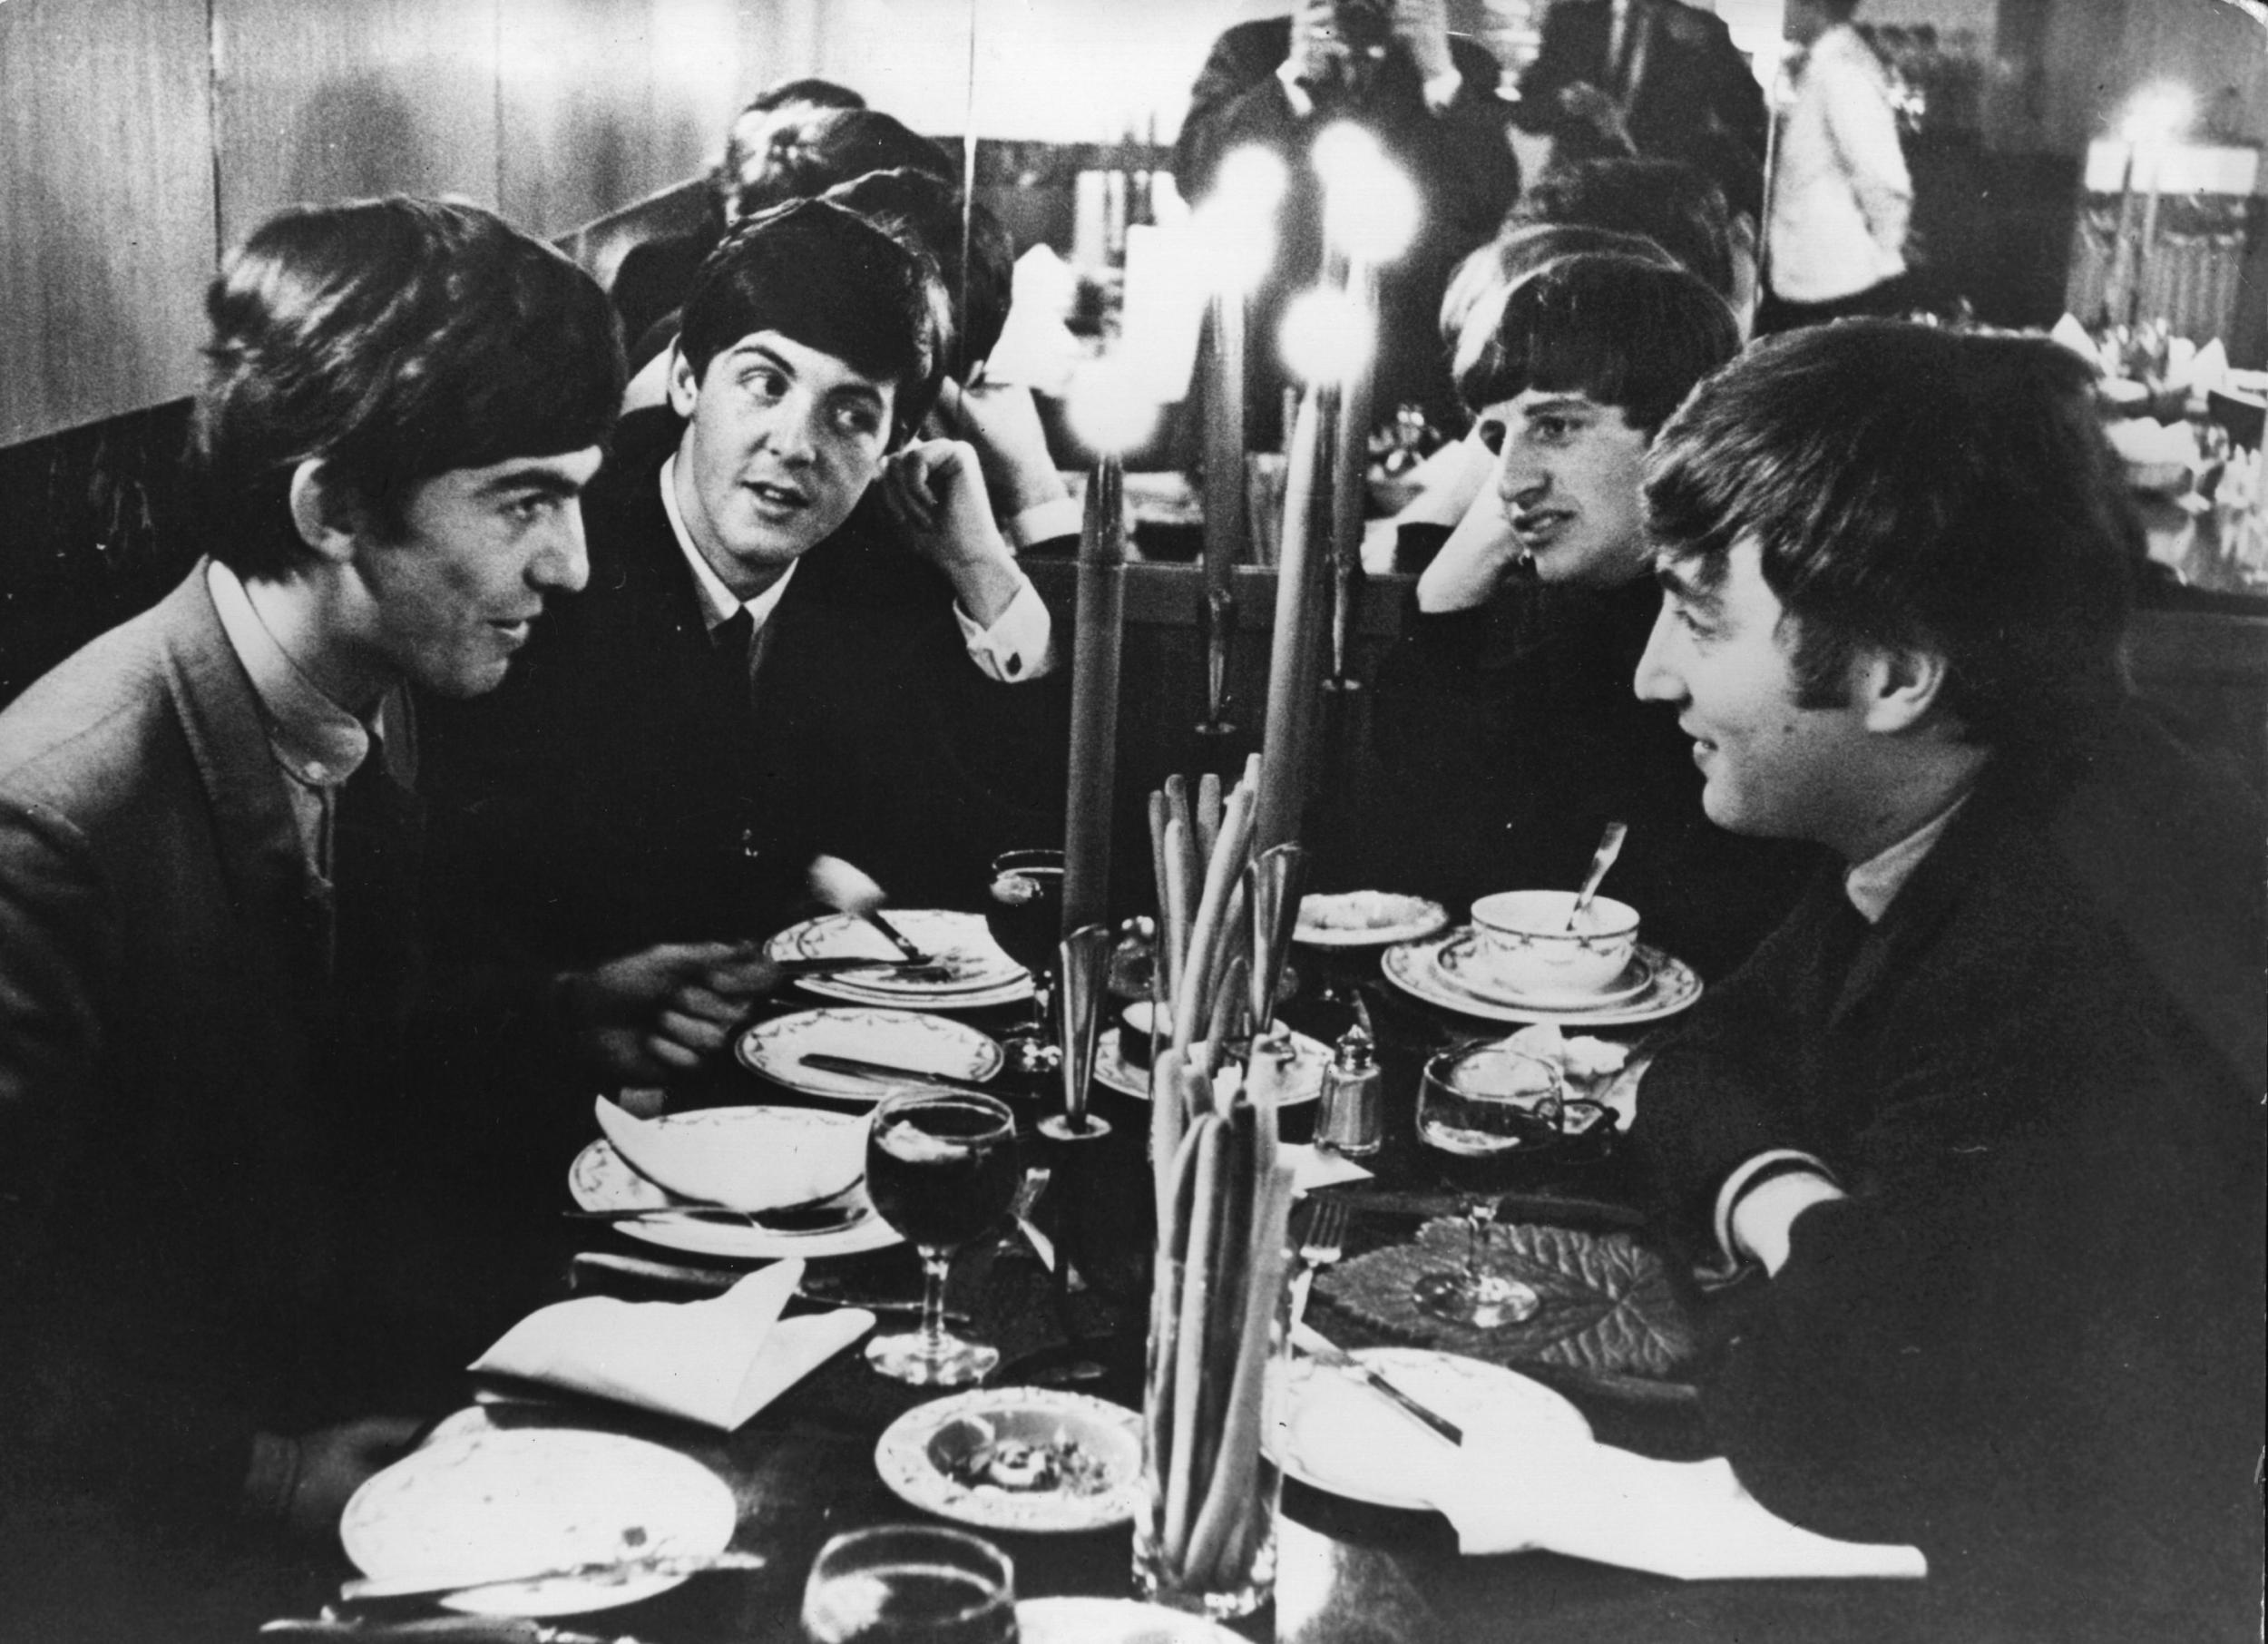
1353,1122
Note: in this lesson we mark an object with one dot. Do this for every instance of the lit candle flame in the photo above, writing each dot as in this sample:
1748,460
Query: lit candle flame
1238,220
2156,113
1328,336
1370,211
1110,409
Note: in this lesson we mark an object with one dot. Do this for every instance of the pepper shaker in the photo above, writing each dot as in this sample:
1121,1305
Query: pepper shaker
1353,1121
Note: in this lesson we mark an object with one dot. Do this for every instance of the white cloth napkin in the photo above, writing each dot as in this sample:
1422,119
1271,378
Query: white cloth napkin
1313,1168
759,1169
1690,1520
2073,335
715,1362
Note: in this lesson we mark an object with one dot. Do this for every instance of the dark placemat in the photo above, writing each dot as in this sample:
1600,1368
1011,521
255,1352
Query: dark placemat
1608,1317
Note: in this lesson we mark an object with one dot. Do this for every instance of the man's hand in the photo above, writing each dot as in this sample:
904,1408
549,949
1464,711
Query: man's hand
1473,563
333,1464
664,1010
935,489
1003,423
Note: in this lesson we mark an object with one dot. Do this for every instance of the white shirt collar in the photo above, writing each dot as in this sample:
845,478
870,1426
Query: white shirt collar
1874,882
318,742
718,601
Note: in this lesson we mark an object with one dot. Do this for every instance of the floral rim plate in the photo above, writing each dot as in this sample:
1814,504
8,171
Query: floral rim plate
504,1500
1032,1458
1460,964
982,975
1414,967
602,1179
1340,1435
1321,919
775,1049
1114,1622
1115,1072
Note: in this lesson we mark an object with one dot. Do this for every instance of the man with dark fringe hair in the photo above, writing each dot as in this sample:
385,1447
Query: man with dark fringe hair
1976,1134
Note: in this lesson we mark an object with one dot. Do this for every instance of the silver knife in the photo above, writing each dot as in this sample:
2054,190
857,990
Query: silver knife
1324,1351
826,1063
433,1629
430,1583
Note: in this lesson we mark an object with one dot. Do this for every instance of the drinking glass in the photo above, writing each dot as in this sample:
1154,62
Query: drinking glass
941,1168
1023,908
1484,1111
900,1583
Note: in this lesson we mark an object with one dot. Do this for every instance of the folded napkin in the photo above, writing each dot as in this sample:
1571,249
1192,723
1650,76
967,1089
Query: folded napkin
715,1362
2073,335
1313,1168
2210,369
751,1167
1691,1520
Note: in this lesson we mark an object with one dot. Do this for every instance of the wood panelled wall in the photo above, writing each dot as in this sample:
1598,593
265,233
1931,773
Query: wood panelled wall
144,136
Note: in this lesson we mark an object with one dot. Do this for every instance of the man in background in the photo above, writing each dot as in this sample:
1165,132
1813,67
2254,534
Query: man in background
227,1230
1841,196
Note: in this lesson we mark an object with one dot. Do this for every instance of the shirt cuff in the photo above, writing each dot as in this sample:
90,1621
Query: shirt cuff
1442,89
1751,1173
1296,93
1044,522
1019,645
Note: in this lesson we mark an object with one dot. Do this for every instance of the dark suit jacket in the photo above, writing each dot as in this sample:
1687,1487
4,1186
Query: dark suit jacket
211,1216
1693,96
623,787
1459,160
1519,723
2029,1341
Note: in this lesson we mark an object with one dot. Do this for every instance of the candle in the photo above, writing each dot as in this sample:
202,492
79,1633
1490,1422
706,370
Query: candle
1095,700
1293,665
1223,501
1350,476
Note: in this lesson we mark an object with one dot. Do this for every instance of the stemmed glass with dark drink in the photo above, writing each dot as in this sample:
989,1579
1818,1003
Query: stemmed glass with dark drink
900,1583
1023,908
1484,1112
940,1168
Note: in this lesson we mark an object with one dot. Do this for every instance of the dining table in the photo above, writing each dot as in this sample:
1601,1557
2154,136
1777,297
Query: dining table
804,1468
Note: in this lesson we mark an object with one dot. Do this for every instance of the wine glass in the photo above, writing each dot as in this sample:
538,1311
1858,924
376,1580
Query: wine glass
1023,908
1483,1111
899,1583
940,1168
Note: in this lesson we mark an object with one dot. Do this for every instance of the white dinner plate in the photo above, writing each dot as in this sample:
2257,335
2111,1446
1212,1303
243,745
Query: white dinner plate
763,1158
1303,1082
498,1502
1340,1434
1415,968
981,976
1114,1622
1030,1459
916,1039
1329,920
600,1180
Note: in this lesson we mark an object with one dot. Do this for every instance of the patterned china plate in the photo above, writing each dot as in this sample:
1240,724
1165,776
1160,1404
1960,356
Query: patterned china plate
506,1500
1464,964
1365,919
1416,969
600,1180
980,974
908,1039
1339,1435
1017,1458
1114,1072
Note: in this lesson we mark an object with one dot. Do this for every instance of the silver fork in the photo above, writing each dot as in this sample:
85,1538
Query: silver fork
1325,1241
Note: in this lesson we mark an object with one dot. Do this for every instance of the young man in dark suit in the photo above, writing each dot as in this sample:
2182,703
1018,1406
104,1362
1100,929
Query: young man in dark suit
712,709
1981,1123
222,1244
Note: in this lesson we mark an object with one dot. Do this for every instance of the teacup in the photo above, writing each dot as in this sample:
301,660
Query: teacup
1524,943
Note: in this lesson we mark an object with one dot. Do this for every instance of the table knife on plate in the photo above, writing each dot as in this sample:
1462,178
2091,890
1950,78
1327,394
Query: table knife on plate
423,1584
1324,1351
434,1630
888,1071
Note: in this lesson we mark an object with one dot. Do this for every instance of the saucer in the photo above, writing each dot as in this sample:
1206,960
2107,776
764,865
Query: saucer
1415,968
1463,962
1031,1459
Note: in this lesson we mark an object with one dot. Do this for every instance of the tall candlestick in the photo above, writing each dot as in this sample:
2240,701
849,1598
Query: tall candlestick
1288,751
1349,477
1095,700
1224,502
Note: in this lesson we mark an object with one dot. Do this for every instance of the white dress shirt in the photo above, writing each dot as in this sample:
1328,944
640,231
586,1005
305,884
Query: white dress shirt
1840,192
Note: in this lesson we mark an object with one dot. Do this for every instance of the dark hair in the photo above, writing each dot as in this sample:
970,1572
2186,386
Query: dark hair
744,144
1625,331
809,88
928,210
1907,485
1671,203
1473,301
823,275
395,340
806,156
